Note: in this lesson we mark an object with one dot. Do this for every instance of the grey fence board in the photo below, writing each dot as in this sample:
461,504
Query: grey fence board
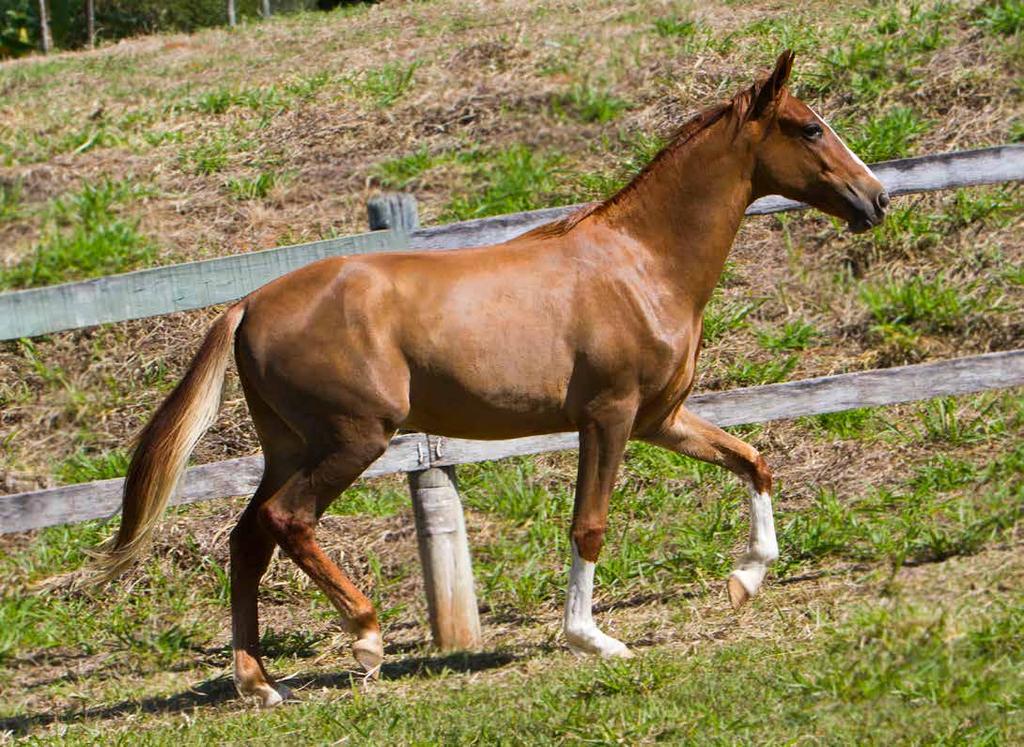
192,285
164,290
887,386
416,451
101,499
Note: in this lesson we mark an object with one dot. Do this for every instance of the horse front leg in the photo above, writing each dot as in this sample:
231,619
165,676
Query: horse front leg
602,443
693,436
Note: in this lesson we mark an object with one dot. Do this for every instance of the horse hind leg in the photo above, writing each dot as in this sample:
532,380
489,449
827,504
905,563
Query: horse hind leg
252,548
291,515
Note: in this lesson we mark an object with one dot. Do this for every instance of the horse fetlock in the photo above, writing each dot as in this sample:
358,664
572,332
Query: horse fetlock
369,652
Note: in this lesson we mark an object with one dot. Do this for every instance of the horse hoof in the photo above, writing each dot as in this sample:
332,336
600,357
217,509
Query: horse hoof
623,653
616,653
598,644
738,593
370,654
271,697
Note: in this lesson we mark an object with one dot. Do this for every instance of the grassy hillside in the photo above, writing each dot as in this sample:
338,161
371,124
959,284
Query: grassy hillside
894,612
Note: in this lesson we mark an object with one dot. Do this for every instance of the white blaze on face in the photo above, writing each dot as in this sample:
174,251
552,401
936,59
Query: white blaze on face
854,156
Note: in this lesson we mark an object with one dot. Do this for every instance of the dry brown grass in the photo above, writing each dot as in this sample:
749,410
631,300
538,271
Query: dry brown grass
483,81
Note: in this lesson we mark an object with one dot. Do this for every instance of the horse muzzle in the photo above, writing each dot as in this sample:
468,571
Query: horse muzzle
866,213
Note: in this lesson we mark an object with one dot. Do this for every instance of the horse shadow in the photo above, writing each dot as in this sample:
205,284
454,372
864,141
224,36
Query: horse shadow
220,690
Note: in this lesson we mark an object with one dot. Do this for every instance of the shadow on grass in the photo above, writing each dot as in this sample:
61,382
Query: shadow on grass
221,689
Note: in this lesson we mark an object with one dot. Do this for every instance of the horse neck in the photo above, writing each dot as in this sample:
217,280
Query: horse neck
687,208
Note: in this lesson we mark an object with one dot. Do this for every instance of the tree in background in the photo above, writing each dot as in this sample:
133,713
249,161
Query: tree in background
90,22
44,28
78,23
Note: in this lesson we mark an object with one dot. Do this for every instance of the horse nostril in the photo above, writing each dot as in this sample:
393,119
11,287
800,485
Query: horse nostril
882,201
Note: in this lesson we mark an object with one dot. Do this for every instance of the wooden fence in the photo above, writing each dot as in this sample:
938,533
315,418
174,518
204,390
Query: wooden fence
193,285
430,460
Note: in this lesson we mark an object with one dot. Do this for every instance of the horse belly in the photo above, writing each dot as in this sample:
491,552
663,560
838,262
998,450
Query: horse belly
516,398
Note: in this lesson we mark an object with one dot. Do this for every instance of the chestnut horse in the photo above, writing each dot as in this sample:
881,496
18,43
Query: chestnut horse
589,324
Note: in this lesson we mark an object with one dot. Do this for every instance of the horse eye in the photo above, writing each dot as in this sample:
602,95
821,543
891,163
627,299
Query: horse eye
812,131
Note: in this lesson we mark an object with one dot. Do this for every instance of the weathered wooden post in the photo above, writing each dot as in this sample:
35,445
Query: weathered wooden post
232,19
440,524
265,7
393,211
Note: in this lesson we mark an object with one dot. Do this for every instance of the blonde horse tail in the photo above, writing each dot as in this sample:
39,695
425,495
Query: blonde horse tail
164,447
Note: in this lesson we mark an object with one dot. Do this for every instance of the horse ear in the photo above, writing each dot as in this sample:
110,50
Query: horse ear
766,92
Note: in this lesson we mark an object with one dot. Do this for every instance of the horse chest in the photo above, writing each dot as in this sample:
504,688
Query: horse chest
669,371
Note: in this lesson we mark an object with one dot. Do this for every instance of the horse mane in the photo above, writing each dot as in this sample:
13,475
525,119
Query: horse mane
683,136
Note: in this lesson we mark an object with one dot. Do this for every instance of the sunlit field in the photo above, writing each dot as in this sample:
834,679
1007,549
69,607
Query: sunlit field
895,613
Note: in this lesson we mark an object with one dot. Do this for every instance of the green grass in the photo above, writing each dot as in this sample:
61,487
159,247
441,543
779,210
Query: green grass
1002,16
1017,131
930,519
509,180
84,237
253,188
774,34
404,171
674,26
626,153
722,316
589,104
796,334
998,207
887,136
371,499
913,231
264,99
895,670
208,157
755,373
307,88
10,200
83,466
872,66
906,229
856,423
385,85
944,420
936,305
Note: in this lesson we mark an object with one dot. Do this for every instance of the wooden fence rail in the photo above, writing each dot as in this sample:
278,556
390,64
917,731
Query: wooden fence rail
415,452
192,285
